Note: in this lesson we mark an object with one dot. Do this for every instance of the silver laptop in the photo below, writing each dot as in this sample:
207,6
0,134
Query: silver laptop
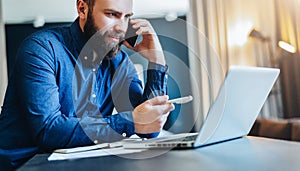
231,116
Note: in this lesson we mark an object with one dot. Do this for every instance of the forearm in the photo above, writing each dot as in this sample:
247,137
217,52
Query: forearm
156,84
63,132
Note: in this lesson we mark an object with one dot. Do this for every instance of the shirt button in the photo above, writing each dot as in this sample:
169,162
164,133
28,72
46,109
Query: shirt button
124,134
96,142
94,69
94,95
85,58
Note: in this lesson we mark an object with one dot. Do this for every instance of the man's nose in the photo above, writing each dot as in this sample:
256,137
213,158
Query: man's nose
121,26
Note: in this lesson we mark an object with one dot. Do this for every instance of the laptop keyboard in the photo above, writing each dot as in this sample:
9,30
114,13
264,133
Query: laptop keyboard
184,139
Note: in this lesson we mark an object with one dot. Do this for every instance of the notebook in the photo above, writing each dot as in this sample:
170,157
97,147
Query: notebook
231,116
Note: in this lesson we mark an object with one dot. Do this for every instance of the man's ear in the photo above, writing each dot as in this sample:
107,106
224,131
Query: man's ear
82,9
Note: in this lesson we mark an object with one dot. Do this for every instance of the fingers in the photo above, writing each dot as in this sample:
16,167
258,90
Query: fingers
152,110
155,126
145,30
137,23
163,109
159,100
159,104
142,26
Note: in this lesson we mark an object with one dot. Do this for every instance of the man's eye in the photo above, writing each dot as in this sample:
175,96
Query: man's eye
112,14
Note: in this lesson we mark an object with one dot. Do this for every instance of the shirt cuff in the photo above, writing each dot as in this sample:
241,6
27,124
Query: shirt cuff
125,126
157,77
157,67
123,123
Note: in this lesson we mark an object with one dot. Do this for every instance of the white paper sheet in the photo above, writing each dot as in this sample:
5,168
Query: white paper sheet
93,153
82,149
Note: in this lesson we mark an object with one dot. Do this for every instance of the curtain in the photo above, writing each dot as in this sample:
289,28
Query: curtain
288,20
218,35
3,66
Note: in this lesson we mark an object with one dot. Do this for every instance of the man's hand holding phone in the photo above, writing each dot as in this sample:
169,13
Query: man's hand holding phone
149,47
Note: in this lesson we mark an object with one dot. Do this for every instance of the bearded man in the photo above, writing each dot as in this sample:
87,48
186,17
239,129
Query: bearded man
67,81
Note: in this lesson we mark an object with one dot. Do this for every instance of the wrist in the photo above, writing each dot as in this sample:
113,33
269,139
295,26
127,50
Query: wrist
158,58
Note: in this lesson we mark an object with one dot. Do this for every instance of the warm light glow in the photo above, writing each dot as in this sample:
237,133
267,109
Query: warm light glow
238,34
287,47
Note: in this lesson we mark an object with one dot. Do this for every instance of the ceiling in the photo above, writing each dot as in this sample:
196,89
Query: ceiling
24,11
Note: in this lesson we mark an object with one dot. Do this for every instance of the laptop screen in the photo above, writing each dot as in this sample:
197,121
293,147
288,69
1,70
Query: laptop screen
238,103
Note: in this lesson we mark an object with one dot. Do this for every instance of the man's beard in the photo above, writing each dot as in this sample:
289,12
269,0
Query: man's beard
97,41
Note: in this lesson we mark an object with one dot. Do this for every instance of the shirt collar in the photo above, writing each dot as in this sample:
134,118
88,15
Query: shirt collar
77,36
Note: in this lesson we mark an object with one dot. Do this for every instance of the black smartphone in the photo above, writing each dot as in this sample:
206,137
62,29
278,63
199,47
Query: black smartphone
130,35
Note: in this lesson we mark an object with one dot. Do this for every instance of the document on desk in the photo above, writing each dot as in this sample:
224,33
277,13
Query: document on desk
81,149
92,153
104,149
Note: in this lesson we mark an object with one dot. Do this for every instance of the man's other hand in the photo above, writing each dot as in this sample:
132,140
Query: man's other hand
150,116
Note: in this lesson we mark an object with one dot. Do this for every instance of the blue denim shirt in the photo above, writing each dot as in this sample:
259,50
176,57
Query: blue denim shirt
57,98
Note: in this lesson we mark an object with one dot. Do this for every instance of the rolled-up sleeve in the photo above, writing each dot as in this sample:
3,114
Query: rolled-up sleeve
157,78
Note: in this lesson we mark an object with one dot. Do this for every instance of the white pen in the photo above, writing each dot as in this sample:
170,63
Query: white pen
181,100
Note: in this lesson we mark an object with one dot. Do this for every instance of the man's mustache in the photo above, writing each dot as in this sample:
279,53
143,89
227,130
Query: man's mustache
120,36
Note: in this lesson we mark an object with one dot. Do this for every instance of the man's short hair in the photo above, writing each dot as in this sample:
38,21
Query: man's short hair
89,2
